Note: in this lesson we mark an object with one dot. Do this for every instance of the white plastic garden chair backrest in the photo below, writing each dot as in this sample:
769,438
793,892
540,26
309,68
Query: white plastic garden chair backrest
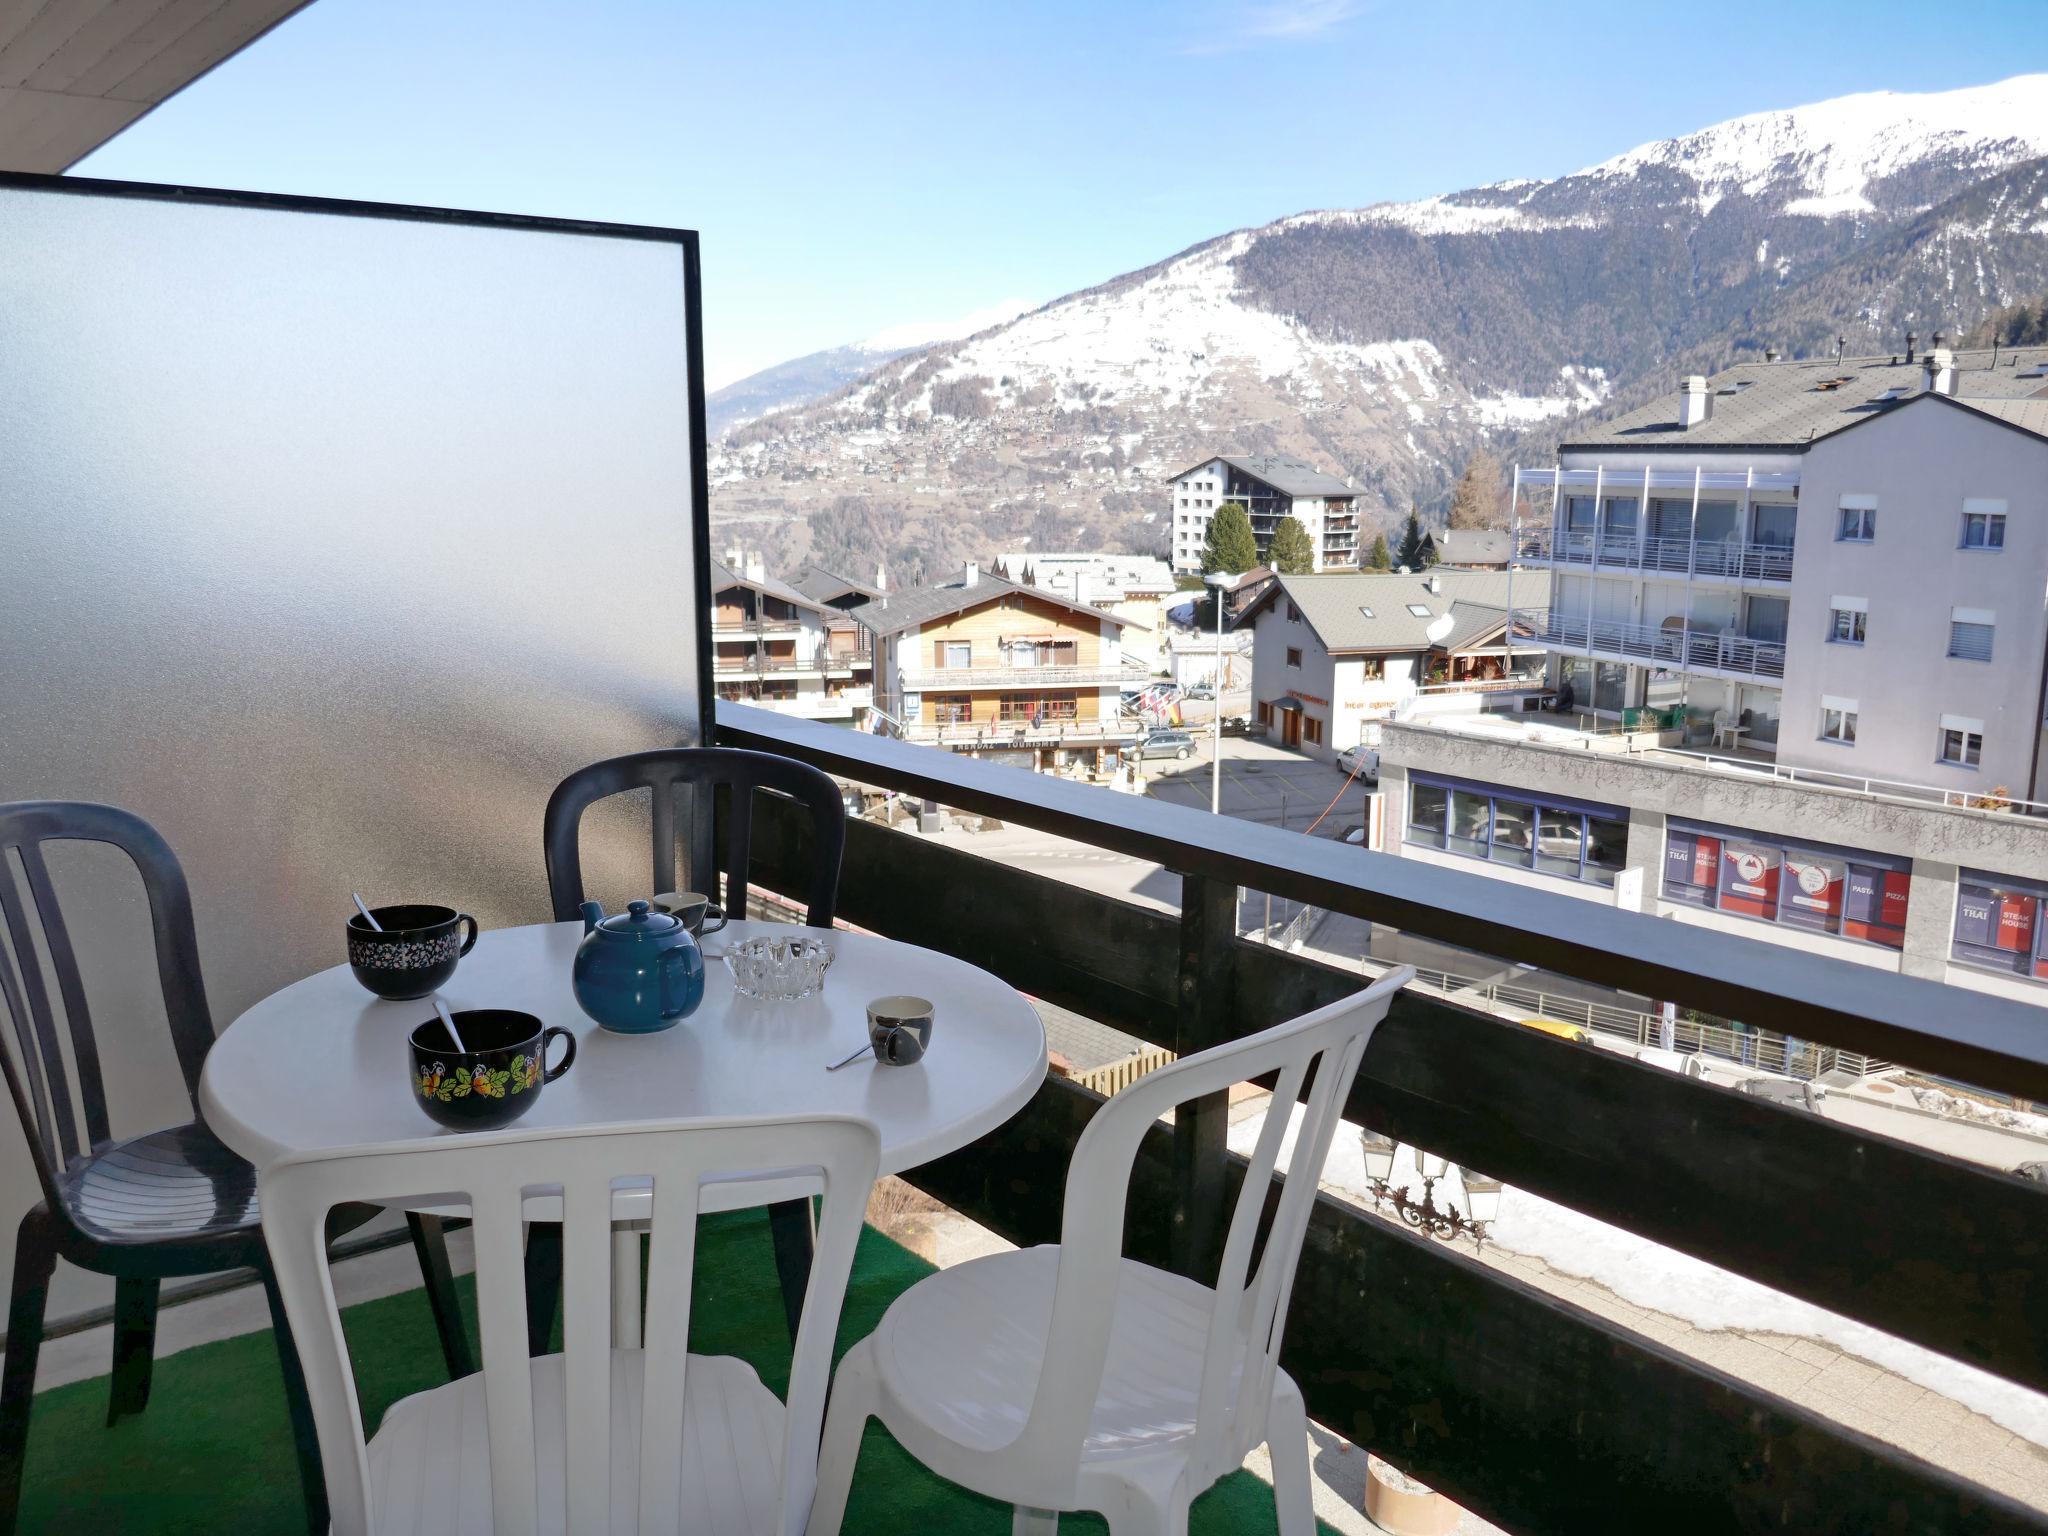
1250,1309
492,1174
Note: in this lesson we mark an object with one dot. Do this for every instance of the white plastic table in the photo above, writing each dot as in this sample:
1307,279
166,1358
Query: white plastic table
323,1064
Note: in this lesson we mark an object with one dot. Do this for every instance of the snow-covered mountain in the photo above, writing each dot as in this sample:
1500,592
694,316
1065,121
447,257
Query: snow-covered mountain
1387,342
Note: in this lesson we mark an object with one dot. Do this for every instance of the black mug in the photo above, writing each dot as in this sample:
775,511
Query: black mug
415,953
899,1030
496,1079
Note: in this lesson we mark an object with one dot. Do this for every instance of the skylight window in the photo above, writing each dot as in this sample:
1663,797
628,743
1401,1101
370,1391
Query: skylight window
1419,610
1896,392
1367,612
1737,387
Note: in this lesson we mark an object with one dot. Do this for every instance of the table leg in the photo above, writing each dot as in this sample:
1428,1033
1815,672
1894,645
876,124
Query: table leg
792,1226
625,1288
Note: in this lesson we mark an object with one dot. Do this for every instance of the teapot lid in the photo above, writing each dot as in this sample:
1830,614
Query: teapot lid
640,921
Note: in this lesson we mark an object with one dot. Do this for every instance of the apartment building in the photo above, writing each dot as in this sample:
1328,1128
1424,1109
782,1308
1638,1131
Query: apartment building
998,670
1270,488
1135,588
776,646
1334,655
1949,890
1836,565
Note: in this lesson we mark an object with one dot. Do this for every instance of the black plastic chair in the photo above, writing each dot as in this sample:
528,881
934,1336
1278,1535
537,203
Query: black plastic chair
143,1209
722,783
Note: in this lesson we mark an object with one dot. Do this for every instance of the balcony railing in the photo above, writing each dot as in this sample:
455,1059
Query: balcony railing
1023,733
967,679
753,664
1528,1410
1723,559
1673,643
722,624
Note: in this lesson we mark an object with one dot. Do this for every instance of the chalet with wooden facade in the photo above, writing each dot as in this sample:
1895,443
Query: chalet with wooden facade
987,667
775,645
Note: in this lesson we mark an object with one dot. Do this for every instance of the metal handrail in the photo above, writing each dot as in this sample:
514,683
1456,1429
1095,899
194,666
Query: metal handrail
1006,677
1735,559
1682,646
1898,790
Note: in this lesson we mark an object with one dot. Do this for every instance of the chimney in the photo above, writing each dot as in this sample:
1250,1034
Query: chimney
757,568
1941,370
1770,354
1081,587
973,575
1435,584
881,577
1695,401
1911,341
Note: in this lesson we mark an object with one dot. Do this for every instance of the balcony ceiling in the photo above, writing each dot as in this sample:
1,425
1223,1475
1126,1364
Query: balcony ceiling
73,73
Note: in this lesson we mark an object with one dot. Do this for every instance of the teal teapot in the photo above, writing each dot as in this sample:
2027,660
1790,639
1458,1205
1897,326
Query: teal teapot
637,972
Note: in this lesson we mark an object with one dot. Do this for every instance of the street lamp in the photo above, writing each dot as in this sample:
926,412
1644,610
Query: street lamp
1446,1221
1217,581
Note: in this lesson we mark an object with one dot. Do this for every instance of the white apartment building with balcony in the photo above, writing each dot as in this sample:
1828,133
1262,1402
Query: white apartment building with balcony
1836,564
776,646
1270,488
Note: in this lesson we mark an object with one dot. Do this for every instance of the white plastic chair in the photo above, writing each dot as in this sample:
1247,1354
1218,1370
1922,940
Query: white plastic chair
1067,1377
594,1439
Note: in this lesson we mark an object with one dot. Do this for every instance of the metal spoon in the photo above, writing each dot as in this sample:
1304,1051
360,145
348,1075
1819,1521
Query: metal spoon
865,1050
448,1023
375,926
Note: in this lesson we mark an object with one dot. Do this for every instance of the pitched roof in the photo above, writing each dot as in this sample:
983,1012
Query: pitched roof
723,576
1292,477
894,612
1470,546
1784,406
1369,612
823,583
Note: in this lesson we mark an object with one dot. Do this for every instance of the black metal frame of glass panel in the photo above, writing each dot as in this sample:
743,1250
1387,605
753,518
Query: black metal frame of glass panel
1857,867
1989,895
1501,825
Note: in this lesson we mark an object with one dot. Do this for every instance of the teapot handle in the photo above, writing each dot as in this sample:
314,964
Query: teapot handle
674,966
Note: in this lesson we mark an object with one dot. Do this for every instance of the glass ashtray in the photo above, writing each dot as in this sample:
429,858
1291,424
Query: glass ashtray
778,970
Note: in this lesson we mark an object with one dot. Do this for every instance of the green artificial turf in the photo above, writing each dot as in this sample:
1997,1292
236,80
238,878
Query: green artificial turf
212,1453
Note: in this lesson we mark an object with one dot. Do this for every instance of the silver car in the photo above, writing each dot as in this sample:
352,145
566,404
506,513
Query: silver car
1167,744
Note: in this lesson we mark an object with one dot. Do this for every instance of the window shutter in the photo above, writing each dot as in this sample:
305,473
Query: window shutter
1970,642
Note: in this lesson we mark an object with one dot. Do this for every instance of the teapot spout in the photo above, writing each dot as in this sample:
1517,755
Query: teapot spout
593,914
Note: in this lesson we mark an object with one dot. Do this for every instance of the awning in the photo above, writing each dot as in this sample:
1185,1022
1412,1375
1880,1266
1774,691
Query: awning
1287,704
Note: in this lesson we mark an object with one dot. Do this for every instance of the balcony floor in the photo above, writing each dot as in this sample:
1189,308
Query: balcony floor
212,1452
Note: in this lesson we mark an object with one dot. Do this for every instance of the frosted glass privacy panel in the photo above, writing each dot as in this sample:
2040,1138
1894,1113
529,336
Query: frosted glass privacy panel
334,540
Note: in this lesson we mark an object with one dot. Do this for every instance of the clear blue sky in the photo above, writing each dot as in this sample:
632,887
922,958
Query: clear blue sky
856,167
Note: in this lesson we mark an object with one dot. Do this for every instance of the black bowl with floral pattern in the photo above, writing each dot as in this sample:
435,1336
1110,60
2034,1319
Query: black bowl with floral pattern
411,952
497,1079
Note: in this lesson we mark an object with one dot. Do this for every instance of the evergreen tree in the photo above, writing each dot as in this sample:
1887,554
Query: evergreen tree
1476,502
1293,552
1229,545
1411,540
1381,558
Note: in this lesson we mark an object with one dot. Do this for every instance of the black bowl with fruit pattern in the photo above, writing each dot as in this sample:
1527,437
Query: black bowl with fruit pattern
493,1082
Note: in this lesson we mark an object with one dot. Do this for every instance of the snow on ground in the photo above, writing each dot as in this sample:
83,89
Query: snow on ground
1661,1279
1940,1102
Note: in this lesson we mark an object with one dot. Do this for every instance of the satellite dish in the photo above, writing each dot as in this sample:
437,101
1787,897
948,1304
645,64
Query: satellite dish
1438,628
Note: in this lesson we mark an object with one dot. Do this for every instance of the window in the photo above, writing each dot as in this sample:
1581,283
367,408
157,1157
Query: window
1998,925
1962,741
1293,614
1983,530
954,653
1847,619
1858,524
1840,891
1573,842
1367,612
1838,720
951,708
1970,632
1311,730
1294,656
1420,610
1265,712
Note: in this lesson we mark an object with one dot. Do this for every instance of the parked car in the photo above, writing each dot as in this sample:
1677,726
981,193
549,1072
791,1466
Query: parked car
1167,744
1364,762
1237,725
1201,691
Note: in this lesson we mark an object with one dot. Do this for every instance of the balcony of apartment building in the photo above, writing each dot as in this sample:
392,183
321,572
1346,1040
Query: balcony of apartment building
525,645
1711,649
1724,529
755,614
961,666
